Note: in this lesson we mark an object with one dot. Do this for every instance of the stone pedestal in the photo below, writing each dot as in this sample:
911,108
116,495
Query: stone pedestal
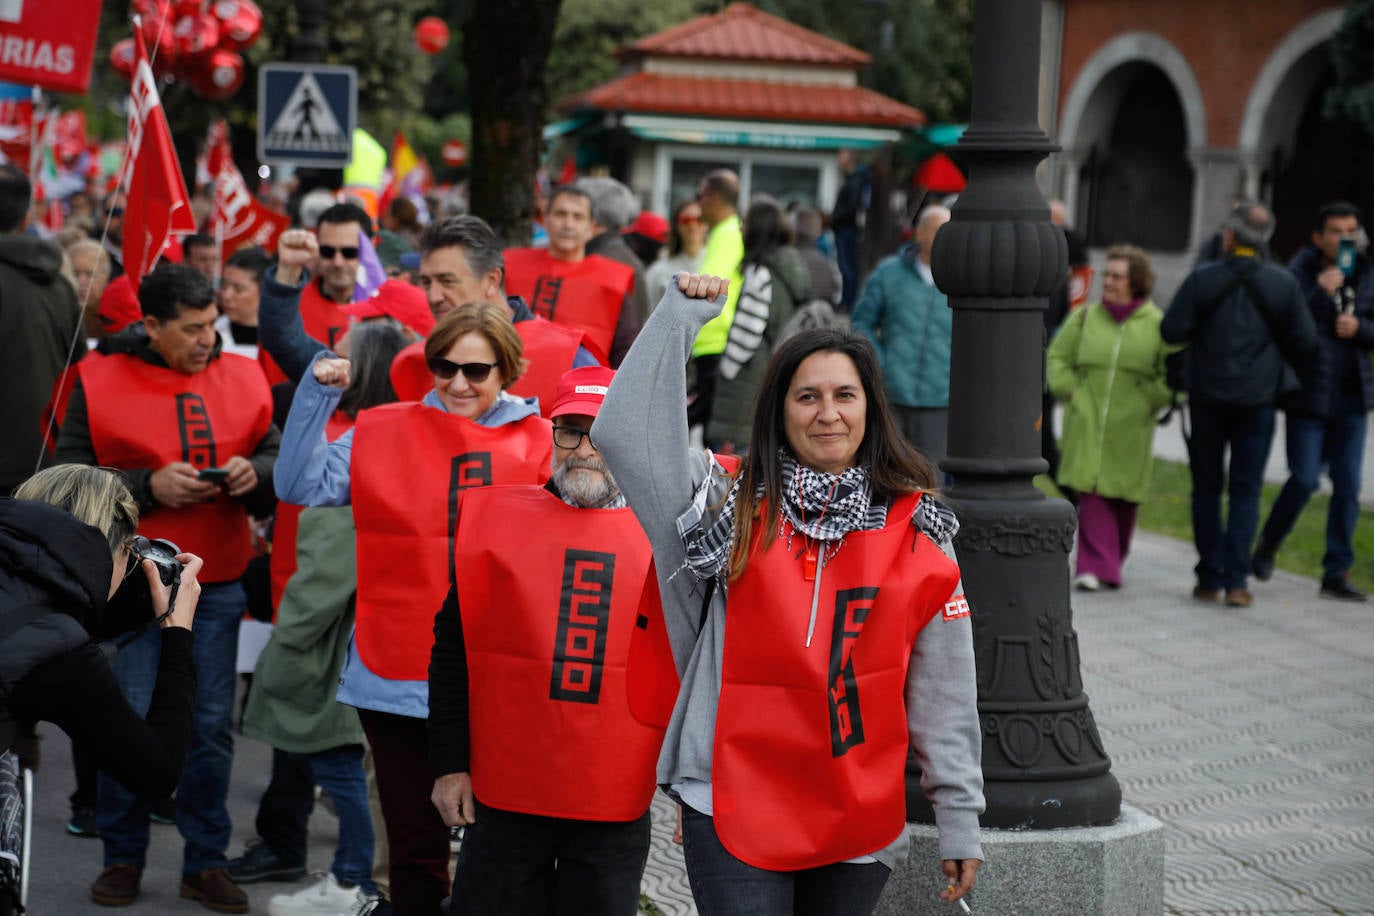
1115,870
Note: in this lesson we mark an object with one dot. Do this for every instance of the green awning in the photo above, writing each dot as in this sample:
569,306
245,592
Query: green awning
797,136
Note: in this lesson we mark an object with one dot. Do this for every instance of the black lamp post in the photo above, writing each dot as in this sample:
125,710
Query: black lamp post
998,259
308,45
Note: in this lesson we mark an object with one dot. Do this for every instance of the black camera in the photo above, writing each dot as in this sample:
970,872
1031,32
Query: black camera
131,609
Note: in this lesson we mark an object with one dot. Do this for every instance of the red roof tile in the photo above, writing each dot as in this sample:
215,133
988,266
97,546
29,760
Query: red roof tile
728,98
743,32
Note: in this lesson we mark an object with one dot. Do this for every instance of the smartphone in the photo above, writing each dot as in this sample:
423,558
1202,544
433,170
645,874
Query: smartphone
215,476
1345,256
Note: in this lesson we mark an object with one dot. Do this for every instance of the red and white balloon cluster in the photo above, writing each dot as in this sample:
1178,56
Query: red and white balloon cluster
194,40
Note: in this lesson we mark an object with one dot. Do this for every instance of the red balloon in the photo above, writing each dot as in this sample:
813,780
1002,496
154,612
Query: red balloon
196,34
240,23
122,57
431,35
220,75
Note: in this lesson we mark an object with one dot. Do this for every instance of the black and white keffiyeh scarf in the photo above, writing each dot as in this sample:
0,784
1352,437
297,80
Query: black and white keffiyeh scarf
822,507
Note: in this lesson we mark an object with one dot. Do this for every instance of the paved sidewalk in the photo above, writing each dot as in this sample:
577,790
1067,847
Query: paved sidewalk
1250,734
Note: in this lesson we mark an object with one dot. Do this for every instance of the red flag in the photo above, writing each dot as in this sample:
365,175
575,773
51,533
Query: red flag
238,219
158,206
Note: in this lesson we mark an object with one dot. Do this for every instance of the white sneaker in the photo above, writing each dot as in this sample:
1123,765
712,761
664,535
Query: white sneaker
1087,583
323,898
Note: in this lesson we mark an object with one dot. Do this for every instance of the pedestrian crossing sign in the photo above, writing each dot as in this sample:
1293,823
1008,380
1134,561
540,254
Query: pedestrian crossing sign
306,114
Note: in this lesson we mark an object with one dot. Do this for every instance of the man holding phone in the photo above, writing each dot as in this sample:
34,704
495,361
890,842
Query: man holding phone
1326,420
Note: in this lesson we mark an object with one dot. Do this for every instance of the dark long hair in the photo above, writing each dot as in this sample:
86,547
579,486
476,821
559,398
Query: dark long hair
372,347
894,467
766,229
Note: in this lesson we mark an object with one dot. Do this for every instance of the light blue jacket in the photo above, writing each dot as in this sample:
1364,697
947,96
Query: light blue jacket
910,324
317,473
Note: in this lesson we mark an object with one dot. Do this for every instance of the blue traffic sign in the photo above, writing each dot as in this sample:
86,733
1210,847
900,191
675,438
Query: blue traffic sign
306,114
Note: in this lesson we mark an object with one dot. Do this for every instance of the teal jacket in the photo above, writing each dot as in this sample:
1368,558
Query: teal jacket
1111,378
910,323
291,705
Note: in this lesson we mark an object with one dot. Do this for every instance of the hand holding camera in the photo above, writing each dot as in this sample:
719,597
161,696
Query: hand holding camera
172,581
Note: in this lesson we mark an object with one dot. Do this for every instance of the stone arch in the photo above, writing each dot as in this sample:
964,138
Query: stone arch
1094,94
1275,104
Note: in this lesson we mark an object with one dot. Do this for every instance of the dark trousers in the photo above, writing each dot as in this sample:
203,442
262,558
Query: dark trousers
526,864
87,775
415,834
722,885
1224,550
1337,444
703,393
847,259
285,807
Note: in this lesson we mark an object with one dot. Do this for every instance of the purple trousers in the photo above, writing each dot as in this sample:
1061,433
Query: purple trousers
1105,526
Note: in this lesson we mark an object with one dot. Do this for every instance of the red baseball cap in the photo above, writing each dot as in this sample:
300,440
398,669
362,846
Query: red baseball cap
581,391
649,225
119,306
396,299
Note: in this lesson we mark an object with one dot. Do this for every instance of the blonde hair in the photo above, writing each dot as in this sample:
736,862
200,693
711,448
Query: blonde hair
491,321
94,495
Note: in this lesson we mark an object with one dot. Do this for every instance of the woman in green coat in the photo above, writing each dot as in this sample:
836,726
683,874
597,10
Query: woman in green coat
1107,365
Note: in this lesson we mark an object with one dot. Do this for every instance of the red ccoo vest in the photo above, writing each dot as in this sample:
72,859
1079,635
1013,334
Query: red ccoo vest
585,294
548,595
811,742
409,464
146,416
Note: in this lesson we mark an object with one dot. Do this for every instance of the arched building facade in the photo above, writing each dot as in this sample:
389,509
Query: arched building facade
1168,110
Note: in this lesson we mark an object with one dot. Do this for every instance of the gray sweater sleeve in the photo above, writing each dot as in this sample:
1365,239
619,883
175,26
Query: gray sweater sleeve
942,717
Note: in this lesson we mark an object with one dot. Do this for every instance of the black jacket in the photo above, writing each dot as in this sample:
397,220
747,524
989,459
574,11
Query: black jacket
1234,358
40,328
52,671
1339,372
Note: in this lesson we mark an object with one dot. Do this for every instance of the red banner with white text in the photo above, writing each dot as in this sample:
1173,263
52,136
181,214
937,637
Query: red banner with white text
48,43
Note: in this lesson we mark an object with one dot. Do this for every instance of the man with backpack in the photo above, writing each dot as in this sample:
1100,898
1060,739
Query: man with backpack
1248,334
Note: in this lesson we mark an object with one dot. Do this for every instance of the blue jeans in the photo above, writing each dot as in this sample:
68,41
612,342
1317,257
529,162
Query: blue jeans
339,771
201,814
1337,444
722,885
847,259
1224,552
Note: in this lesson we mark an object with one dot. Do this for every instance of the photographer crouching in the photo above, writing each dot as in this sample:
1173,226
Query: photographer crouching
67,545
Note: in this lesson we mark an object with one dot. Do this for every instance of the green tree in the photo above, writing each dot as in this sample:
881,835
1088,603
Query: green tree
589,32
1352,56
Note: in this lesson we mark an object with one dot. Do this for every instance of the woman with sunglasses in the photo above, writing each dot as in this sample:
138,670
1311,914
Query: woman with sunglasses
66,547
402,467
815,615
686,242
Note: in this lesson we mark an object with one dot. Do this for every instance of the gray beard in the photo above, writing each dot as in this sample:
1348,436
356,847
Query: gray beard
587,491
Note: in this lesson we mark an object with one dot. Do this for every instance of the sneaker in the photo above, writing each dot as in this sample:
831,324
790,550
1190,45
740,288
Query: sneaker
1340,589
1239,597
260,863
164,812
82,823
326,897
1087,583
117,885
1262,563
215,891
1209,595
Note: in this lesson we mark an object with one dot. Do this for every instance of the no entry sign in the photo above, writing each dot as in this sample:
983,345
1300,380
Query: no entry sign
48,44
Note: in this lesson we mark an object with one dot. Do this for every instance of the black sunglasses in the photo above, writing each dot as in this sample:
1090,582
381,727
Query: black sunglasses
569,438
473,372
350,252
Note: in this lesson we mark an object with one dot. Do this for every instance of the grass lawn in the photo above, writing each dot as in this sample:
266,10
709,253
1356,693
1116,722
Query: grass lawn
1168,512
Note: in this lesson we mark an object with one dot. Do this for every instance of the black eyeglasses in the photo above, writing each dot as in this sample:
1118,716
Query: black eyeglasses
116,211
570,437
473,372
349,252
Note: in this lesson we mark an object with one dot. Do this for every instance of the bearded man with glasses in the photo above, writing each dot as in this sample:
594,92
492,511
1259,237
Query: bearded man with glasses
537,750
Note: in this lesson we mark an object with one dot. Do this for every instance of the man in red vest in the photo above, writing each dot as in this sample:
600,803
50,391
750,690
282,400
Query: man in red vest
190,428
570,287
330,283
460,262
531,735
